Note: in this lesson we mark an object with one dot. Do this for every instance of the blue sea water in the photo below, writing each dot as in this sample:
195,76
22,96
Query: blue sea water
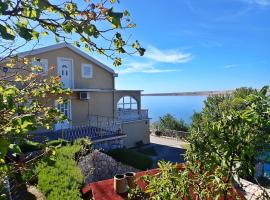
178,106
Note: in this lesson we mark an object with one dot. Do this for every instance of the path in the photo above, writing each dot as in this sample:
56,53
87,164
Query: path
167,149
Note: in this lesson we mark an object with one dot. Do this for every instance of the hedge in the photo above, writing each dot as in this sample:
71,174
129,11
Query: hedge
132,158
63,178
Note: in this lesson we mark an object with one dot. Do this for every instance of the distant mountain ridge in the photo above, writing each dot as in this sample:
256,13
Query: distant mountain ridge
197,93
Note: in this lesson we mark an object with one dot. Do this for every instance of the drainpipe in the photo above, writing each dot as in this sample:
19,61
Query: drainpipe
113,96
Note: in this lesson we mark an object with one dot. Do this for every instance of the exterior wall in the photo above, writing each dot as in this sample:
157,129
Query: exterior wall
136,131
100,103
101,79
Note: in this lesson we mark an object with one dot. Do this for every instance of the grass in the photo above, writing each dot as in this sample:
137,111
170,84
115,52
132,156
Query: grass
131,157
150,151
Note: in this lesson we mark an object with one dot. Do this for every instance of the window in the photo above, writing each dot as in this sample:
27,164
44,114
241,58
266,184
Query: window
64,108
87,71
41,66
127,103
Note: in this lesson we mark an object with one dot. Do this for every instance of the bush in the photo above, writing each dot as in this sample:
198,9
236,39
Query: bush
150,151
62,178
171,123
158,133
29,146
57,142
132,158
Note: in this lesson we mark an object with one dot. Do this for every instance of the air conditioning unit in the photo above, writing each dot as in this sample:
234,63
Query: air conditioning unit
84,96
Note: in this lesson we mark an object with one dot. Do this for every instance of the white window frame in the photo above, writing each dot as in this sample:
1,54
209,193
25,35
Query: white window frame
39,63
83,65
127,105
69,107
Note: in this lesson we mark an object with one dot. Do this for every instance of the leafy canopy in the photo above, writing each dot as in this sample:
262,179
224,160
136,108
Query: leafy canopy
232,131
95,24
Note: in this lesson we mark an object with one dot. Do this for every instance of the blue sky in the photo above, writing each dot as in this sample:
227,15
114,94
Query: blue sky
196,45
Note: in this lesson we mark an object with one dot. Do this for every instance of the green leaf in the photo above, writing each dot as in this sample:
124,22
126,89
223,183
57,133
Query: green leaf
25,33
5,34
35,35
264,90
31,12
115,18
117,62
3,6
3,147
15,149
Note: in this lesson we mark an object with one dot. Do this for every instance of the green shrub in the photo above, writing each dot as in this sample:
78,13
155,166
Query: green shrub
29,146
132,158
170,122
62,178
150,151
158,133
57,142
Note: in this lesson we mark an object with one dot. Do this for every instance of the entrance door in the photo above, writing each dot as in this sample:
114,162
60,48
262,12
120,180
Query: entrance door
65,71
65,109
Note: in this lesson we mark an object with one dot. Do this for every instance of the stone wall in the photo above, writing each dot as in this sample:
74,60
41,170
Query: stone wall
177,135
107,145
253,191
98,166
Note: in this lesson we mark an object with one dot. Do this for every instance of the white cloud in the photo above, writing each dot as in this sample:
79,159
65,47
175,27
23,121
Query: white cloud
148,67
257,2
167,56
230,66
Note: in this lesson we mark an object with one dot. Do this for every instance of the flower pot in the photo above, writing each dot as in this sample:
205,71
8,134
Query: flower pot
130,177
120,184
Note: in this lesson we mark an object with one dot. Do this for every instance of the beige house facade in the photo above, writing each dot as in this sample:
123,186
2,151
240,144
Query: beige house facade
94,101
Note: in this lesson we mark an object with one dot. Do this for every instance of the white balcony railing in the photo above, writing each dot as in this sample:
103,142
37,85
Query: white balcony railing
130,115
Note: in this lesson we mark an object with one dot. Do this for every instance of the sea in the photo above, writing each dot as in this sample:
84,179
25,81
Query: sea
179,106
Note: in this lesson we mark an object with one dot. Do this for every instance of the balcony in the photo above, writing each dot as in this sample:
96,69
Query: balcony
131,115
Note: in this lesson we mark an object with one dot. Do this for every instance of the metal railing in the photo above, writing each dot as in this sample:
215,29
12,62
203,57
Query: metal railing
96,128
129,115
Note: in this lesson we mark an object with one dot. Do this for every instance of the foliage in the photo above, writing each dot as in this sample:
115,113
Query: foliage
173,182
21,115
171,123
90,22
29,146
58,142
227,138
233,131
62,178
132,158
150,151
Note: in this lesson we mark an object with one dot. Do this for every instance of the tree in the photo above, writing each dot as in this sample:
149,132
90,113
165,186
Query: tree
171,123
226,140
232,132
24,94
96,25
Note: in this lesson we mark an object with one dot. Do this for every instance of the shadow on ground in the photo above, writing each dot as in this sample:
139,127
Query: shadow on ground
167,153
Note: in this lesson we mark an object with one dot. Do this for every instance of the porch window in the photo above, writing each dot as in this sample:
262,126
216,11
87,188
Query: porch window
64,108
127,103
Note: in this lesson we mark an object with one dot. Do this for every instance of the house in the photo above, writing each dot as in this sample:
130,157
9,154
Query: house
95,104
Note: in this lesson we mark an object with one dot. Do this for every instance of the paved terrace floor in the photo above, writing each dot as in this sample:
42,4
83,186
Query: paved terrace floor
167,149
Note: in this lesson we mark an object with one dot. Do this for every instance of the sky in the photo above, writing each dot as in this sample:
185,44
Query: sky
196,45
